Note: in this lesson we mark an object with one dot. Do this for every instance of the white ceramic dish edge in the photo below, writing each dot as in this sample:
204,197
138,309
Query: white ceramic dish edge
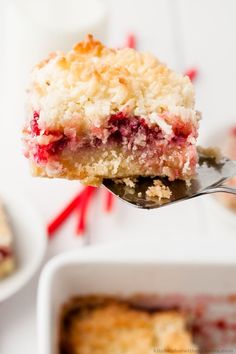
108,270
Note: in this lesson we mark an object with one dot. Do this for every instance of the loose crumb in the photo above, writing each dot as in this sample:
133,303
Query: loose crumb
159,190
188,183
129,182
212,152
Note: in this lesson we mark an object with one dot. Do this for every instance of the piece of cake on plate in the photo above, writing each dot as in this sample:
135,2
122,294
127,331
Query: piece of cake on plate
7,262
98,112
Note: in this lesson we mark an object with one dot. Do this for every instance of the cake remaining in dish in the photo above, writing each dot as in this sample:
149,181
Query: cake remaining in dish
97,113
7,263
109,326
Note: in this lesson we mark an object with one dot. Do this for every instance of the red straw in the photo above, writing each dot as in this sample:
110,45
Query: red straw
109,202
63,215
81,227
192,73
131,41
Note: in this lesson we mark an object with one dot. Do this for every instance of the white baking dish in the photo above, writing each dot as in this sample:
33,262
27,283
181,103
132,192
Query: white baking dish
124,269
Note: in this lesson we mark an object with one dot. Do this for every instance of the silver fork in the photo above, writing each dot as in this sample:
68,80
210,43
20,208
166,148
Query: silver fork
210,178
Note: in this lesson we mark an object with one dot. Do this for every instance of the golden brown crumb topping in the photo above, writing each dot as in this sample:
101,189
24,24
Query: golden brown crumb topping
115,327
92,82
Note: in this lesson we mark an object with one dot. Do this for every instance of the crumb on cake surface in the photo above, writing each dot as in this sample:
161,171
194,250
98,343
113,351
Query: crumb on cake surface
92,82
115,327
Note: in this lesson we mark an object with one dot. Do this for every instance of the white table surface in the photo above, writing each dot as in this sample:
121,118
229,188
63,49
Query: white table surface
183,33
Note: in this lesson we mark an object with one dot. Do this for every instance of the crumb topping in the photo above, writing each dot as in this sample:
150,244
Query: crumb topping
83,87
117,328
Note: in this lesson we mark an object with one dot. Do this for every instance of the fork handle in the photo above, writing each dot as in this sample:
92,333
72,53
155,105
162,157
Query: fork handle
224,189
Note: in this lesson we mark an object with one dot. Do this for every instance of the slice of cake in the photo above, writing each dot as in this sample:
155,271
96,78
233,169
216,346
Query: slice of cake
115,327
97,113
6,253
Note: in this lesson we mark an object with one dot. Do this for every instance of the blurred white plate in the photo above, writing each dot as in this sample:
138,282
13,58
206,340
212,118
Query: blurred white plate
29,242
128,268
214,206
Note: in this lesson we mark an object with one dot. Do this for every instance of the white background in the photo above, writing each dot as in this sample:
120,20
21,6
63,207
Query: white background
182,33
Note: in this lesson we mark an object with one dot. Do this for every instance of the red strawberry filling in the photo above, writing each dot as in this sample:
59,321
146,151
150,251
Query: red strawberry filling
126,129
44,151
35,131
130,132
5,252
